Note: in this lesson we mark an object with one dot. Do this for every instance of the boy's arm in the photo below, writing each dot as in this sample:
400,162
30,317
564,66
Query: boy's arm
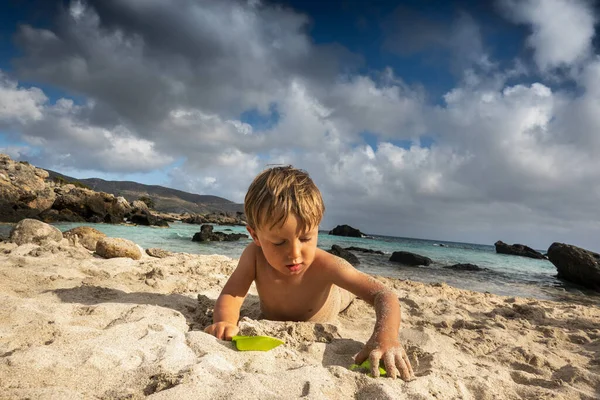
383,344
227,308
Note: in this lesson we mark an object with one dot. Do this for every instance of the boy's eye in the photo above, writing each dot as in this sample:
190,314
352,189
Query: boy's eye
305,239
279,244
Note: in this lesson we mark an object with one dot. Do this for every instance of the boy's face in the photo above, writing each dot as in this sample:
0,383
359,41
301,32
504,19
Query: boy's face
287,249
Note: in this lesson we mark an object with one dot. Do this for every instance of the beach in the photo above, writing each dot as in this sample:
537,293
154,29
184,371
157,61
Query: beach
74,325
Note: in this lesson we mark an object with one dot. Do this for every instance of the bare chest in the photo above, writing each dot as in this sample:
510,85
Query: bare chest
290,300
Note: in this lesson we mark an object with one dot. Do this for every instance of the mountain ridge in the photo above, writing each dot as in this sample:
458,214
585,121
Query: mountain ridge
165,199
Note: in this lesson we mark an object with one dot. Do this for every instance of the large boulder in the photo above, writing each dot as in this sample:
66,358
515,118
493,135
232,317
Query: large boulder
23,190
517,250
87,236
346,230
345,254
90,205
576,265
206,234
408,258
117,247
34,231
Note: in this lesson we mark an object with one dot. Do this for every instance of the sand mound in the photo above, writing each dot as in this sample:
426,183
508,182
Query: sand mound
75,326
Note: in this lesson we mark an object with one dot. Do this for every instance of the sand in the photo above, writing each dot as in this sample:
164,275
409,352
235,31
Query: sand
76,326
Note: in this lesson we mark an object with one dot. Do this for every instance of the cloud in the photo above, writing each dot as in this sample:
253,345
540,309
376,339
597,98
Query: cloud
509,158
562,30
19,105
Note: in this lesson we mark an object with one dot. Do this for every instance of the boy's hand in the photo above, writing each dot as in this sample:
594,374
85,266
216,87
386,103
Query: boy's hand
394,358
222,330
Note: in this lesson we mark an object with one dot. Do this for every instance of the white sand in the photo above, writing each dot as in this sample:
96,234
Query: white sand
76,326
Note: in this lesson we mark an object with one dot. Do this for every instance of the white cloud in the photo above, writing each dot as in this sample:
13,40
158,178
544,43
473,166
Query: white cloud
562,30
18,104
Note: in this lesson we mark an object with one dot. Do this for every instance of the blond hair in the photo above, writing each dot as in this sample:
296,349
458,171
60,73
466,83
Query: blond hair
278,192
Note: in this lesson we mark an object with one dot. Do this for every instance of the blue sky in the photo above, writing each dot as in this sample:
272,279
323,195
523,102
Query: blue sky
457,120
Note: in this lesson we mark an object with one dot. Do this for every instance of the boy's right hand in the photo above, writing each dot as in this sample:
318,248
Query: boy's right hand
222,330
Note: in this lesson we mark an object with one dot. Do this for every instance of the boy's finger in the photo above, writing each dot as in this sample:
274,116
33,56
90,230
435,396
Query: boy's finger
407,361
362,355
230,332
219,332
374,358
403,367
390,365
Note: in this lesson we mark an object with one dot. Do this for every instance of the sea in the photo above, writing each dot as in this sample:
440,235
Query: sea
505,275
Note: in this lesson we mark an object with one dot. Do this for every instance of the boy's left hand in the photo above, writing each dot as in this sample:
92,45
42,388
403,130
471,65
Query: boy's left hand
392,353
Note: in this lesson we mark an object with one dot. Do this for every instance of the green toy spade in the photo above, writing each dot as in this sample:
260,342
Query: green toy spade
256,343
366,367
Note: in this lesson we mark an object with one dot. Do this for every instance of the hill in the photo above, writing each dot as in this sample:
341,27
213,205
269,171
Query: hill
165,199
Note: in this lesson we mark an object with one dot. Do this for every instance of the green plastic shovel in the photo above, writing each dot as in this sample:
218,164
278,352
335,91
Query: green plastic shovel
256,343
366,367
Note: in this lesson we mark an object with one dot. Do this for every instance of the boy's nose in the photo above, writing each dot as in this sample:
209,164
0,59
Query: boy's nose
295,250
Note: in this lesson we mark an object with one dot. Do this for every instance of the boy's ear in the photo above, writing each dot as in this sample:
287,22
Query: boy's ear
252,233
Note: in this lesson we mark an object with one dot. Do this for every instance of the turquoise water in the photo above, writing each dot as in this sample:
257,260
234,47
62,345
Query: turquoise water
506,275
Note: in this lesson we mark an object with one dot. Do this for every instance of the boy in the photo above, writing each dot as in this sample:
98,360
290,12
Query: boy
295,280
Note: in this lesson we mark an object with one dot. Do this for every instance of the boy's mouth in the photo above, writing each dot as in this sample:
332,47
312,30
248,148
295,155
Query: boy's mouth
293,267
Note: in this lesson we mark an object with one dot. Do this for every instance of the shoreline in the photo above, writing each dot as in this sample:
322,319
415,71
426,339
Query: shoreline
510,276
78,326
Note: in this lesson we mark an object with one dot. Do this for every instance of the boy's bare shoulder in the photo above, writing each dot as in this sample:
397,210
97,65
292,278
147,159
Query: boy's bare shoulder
328,261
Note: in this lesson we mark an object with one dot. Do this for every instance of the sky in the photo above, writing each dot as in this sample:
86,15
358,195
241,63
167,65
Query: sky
469,121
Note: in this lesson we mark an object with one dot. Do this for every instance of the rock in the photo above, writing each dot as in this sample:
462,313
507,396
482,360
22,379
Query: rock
465,267
117,247
206,234
158,253
34,231
361,249
222,218
346,255
87,236
23,190
576,265
407,258
66,215
148,219
346,230
139,205
517,250
91,206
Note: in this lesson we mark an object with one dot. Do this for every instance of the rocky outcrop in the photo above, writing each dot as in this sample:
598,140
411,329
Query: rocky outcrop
206,234
34,231
346,230
222,218
408,258
345,254
86,236
465,267
363,250
89,205
517,250
576,265
23,190
118,247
